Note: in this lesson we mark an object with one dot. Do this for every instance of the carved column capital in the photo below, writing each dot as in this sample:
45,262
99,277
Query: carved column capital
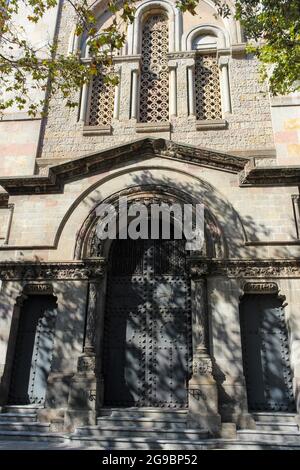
198,270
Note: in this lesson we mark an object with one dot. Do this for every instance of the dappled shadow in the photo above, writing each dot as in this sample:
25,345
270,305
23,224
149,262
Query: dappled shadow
147,326
131,372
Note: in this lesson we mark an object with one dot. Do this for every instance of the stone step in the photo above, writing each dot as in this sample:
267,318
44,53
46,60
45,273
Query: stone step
129,433
264,417
142,443
276,437
28,427
31,436
165,444
18,417
151,413
21,409
141,423
288,427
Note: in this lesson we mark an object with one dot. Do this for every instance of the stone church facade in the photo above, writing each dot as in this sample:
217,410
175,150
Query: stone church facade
88,326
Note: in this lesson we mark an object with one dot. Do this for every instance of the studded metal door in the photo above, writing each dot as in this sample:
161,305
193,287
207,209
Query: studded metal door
33,351
266,354
147,325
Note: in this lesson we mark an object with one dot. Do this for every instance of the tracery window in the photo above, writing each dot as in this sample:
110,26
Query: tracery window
207,80
101,105
154,90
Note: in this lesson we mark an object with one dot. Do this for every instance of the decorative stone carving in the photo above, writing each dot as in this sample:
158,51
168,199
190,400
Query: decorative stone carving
88,244
255,268
86,364
38,288
89,344
75,270
181,55
260,288
82,167
202,366
198,270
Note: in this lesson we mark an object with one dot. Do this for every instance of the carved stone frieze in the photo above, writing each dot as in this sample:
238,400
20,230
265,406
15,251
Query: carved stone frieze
260,288
38,288
241,269
79,270
181,55
202,366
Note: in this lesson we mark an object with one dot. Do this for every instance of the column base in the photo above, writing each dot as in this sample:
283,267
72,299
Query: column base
82,401
75,418
203,404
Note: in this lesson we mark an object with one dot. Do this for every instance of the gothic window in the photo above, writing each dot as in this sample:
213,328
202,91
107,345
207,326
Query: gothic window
207,79
154,94
101,101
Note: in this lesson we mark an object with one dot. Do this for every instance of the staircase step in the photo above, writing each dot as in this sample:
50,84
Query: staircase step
18,417
31,436
21,409
151,413
264,417
141,423
127,432
287,427
20,426
145,443
279,437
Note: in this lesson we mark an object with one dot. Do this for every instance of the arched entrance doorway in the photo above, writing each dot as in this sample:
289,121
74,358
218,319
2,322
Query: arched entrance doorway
147,333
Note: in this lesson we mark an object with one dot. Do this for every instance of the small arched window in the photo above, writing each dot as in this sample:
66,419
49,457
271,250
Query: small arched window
154,88
207,78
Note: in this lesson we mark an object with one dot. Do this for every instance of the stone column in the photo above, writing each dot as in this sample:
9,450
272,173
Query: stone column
172,89
225,87
82,403
180,98
129,73
203,395
83,102
191,90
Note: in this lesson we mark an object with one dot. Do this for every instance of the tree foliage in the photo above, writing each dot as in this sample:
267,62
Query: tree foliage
272,28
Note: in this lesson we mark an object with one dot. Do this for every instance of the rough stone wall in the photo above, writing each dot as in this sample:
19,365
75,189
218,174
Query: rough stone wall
249,125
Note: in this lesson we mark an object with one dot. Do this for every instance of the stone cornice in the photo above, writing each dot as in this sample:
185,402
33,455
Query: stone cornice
105,160
69,270
269,176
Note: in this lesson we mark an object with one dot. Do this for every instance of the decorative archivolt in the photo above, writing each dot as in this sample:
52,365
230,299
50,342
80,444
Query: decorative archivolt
88,244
